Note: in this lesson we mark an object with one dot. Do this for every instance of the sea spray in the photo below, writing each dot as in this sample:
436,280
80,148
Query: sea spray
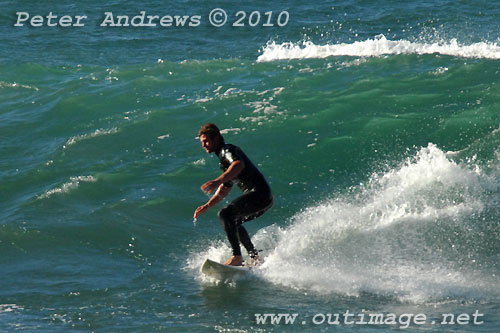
387,237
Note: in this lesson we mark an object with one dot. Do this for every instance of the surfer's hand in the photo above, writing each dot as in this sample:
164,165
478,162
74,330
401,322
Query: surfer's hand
210,186
200,210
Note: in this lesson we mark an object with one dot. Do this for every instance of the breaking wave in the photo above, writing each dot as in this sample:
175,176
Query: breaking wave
375,47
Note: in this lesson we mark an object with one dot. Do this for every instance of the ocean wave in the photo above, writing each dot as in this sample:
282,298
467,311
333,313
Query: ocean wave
69,186
96,133
377,46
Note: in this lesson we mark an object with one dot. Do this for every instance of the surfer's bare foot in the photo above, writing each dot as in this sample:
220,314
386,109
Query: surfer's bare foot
235,261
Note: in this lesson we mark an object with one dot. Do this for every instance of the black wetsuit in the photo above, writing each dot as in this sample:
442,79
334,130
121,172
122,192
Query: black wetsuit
257,198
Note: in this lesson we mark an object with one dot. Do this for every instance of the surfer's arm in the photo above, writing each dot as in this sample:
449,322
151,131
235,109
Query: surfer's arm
218,196
232,172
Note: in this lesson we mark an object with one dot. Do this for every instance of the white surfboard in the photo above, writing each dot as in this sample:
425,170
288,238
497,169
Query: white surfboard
223,272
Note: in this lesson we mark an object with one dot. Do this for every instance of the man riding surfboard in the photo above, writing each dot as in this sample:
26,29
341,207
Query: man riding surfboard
237,170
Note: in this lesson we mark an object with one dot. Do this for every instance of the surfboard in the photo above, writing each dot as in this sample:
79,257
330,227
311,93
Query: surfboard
223,272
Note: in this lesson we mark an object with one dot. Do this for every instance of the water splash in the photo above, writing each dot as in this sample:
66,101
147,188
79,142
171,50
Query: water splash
395,236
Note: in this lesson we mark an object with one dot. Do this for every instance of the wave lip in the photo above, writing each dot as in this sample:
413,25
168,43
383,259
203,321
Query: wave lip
375,47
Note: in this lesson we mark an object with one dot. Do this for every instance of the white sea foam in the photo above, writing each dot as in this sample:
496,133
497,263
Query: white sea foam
377,46
228,93
264,109
69,186
10,308
96,133
16,85
235,130
165,136
200,162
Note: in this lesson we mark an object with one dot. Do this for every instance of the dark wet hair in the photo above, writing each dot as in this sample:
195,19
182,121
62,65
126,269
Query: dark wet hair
211,131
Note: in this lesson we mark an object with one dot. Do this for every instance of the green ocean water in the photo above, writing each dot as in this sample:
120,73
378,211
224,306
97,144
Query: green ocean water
377,129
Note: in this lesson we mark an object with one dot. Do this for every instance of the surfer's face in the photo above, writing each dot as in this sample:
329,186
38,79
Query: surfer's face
207,143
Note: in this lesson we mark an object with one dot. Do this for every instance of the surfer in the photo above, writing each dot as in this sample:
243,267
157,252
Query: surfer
237,169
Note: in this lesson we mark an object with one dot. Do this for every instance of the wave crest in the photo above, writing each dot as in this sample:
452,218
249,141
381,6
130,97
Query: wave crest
375,47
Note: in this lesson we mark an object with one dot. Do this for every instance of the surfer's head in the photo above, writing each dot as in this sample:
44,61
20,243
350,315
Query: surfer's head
210,138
